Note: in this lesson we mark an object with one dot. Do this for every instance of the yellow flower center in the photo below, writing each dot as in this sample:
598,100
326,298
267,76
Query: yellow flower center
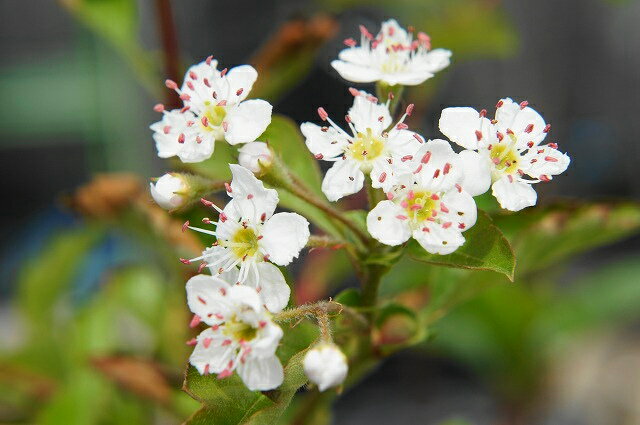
238,330
420,206
504,158
366,147
244,243
214,114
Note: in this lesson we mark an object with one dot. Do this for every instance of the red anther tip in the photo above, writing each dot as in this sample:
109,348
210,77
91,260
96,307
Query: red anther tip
319,156
347,118
547,128
383,177
528,128
205,121
483,113
193,75
323,114
372,99
350,42
208,60
171,84
224,72
545,178
239,92
354,92
478,135
158,107
402,126
410,109
426,157
227,187
195,321
418,138
185,226
499,104
436,173
391,96
181,138
185,261
524,104
447,168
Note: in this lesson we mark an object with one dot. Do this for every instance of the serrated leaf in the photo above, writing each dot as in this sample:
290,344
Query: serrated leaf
485,248
542,237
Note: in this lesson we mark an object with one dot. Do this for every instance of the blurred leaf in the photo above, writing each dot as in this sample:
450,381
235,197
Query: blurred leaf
46,277
397,327
137,375
351,297
485,249
542,237
116,21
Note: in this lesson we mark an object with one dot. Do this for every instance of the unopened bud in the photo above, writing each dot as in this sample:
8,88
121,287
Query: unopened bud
326,366
168,191
255,156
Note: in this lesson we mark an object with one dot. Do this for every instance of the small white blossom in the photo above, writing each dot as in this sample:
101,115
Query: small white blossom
325,365
255,156
250,237
372,147
428,204
214,109
502,152
168,191
241,336
392,56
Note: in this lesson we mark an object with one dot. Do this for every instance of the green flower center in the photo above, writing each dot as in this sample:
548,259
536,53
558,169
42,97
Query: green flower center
238,330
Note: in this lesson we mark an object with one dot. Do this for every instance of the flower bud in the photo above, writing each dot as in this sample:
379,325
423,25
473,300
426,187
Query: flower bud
255,156
325,365
168,191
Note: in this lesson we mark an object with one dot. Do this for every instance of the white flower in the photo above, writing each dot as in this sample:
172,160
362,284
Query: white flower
428,204
325,365
255,156
167,191
371,148
214,109
240,336
503,151
392,57
249,236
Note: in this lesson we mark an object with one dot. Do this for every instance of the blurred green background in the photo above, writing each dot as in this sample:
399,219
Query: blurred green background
91,297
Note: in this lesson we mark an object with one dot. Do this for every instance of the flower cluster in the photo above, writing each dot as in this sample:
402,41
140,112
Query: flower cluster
418,188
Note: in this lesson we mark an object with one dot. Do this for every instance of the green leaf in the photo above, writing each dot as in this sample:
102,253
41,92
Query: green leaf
351,297
398,327
485,248
542,237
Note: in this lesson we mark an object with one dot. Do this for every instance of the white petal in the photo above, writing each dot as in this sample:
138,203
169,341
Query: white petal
366,114
196,147
274,290
200,93
544,160
210,351
385,226
511,116
284,235
355,56
476,172
438,240
241,77
207,296
406,78
381,166
460,126
254,156
462,209
247,121
439,166
356,73
245,296
342,179
329,144
250,197
433,61
261,374
267,340
514,195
